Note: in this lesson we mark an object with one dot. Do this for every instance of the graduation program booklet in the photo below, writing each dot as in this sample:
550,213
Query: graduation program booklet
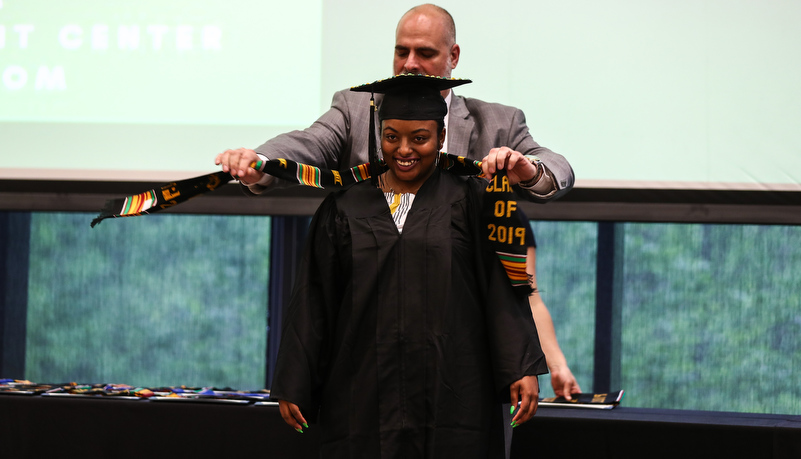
605,401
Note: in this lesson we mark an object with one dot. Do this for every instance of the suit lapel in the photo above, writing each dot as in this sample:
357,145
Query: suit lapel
460,126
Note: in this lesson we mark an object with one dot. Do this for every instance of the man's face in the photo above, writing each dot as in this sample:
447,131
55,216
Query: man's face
422,46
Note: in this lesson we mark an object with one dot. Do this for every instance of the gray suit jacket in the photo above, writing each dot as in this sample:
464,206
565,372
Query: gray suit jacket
339,138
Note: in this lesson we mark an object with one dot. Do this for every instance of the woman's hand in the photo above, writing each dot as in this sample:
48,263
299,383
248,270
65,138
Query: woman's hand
292,415
526,390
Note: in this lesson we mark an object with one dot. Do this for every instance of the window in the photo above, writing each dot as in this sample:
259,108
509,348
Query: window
712,317
162,300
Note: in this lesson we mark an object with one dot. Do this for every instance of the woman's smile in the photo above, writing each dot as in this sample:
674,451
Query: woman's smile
406,163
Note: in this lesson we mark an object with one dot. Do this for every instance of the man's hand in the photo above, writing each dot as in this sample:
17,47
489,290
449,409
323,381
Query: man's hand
292,415
518,167
526,390
238,163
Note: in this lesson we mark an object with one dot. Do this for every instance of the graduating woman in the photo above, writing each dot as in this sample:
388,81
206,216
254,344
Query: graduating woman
404,333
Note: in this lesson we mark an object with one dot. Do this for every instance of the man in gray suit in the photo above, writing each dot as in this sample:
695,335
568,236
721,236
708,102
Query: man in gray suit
425,43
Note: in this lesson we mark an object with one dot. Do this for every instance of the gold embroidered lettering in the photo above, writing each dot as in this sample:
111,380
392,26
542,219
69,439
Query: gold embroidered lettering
214,182
503,186
520,233
505,208
170,191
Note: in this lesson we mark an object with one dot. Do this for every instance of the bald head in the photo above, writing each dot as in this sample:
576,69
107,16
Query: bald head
434,13
425,42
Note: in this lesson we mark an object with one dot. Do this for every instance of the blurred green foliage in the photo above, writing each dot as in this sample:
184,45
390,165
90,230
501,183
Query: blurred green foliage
159,300
712,317
711,314
566,280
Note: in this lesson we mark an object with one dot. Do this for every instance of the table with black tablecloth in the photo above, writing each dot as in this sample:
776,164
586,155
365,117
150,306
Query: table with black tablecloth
89,427
656,433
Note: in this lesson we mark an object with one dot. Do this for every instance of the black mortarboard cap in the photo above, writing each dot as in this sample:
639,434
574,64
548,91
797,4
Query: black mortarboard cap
406,97
412,97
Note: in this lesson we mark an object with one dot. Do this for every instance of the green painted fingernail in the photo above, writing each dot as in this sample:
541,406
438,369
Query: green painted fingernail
305,425
299,430
514,424
512,410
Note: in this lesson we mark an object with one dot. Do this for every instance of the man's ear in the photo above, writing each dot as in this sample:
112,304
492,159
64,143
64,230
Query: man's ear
455,52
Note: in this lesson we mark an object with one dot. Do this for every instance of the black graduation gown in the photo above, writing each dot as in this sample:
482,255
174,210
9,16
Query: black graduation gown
405,343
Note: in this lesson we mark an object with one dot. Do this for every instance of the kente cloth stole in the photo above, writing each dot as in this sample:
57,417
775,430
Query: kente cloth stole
502,225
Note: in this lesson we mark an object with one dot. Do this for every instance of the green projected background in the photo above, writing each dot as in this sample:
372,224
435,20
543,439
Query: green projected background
159,62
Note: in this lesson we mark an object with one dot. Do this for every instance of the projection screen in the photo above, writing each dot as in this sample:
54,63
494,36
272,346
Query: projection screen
684,94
